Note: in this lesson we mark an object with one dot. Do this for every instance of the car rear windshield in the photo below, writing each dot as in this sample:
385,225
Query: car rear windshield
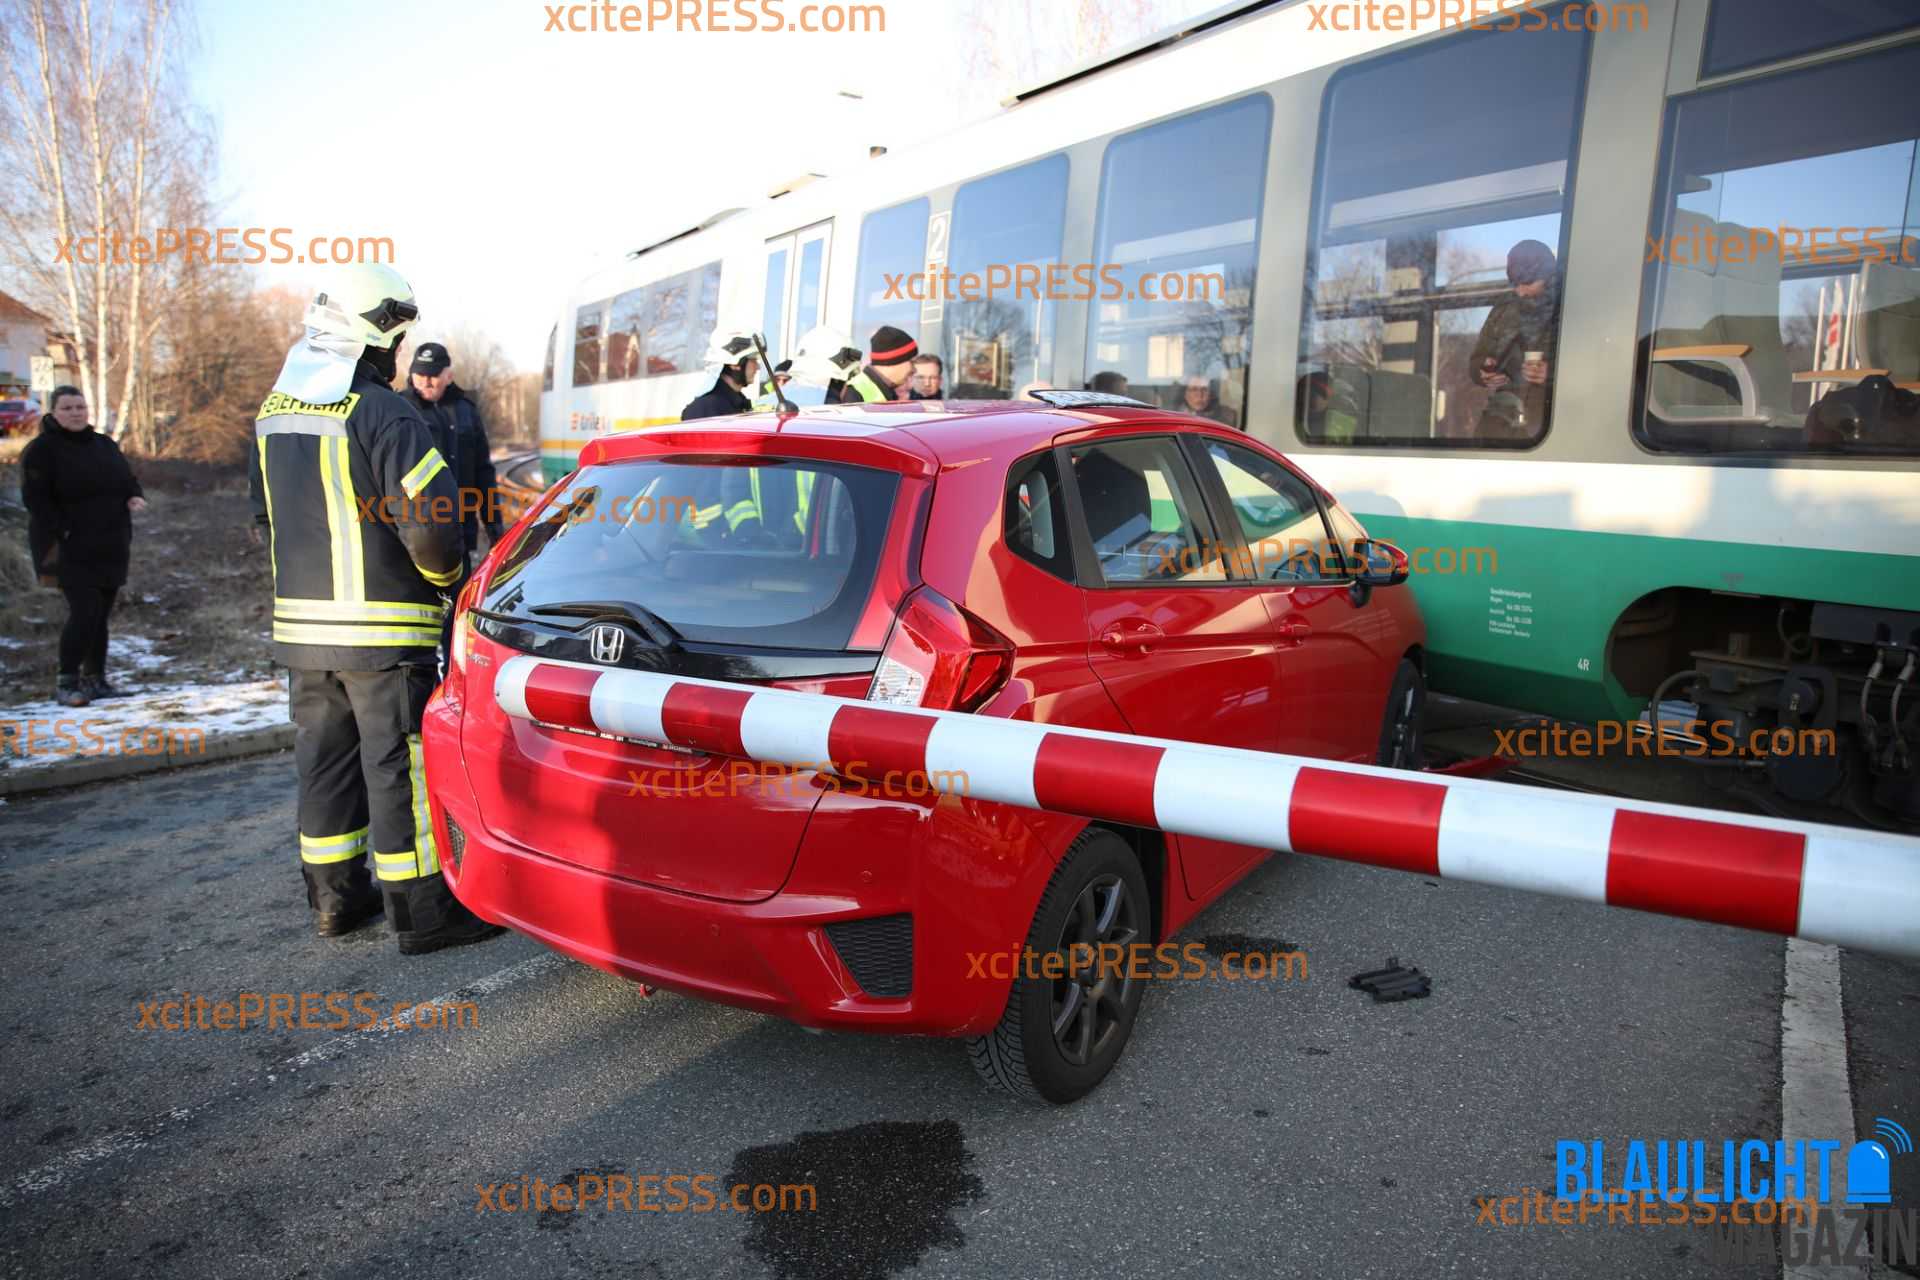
766,552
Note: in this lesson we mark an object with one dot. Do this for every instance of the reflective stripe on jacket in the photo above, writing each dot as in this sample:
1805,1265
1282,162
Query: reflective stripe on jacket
364,524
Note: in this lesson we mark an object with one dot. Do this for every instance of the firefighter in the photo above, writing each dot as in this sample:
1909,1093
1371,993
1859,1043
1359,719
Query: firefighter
889,364
734,351
824,357
365,540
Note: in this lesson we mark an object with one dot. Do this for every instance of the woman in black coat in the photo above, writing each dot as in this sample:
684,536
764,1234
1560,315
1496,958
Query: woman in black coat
81,496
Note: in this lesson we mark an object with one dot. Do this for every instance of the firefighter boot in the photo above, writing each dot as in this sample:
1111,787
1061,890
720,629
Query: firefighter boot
426,917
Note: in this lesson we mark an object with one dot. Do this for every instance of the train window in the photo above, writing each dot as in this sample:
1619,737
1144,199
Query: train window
546,373
1434,262
1783,264
807,302
773,308
1006,225
892,242
668,314
626,319
588,323
706,318
1745,33
1177,240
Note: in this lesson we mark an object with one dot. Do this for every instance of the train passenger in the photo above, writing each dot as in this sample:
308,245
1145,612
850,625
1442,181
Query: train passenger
1197,397
1510,360
929,378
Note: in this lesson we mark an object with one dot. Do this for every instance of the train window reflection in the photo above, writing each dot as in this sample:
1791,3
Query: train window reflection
892,242
1782,289
1745,33
1177,240
588,324
651,328
1002,223
1434,268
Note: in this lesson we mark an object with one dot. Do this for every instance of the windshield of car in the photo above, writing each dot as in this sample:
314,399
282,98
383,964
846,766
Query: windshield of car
769,552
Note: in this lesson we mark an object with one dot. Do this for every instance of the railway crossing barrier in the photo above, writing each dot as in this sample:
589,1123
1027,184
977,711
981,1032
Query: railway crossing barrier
1824,883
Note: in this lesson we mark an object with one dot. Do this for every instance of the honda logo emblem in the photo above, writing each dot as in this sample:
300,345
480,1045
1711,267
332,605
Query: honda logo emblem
606,643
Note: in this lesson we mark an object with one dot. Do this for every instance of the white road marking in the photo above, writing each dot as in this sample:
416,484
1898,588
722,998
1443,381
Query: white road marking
1816,1101
57,1173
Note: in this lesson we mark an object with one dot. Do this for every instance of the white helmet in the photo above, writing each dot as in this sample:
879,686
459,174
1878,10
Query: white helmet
823,355
366,302
731,346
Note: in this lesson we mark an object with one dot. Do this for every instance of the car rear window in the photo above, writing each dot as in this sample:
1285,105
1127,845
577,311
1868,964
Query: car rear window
768,552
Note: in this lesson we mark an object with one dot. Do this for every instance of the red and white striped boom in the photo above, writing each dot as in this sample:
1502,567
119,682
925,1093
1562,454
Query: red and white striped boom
1831,884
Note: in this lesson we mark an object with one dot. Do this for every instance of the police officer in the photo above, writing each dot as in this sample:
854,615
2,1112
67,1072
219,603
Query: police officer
360,509
734,351
889,364
453,417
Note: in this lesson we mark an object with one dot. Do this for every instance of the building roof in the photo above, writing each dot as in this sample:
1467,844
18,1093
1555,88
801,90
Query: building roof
12,308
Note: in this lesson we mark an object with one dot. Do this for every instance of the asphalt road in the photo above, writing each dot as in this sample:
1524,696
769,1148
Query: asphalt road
1253,1129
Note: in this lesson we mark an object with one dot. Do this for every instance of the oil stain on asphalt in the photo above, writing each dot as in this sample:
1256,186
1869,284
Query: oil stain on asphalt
883,1193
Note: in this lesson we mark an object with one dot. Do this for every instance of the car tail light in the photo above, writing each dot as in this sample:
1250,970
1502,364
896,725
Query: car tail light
940,657
463,624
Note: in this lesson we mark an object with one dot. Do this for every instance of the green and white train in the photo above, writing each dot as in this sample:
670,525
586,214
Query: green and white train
1655,520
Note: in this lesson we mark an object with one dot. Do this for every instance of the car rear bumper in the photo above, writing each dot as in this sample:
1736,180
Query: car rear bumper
862,861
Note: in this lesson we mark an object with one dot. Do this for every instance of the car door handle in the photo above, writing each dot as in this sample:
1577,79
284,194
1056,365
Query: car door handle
1131,637
1295,630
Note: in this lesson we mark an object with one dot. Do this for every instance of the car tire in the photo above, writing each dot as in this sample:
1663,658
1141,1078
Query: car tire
1403,727
1025,1055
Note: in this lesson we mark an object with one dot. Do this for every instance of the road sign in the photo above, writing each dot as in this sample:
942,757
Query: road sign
40,373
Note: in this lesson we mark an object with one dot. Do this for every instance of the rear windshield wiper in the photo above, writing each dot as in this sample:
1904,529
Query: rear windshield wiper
656,628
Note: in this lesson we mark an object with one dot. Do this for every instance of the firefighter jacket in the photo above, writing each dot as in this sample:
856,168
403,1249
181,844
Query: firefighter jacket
364,527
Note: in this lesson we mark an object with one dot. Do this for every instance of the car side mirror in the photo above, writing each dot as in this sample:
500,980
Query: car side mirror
1381,563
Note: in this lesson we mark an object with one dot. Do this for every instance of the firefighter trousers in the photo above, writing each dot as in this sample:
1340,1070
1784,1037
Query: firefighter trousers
363,791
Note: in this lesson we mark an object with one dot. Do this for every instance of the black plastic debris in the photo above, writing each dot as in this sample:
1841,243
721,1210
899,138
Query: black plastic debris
1393,983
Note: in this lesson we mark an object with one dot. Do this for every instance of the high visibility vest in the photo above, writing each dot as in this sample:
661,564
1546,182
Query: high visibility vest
869,389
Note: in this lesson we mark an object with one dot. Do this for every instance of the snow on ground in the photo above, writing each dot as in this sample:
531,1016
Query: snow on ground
155,717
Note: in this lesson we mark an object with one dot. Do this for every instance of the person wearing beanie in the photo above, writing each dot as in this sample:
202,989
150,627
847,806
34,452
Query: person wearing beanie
1520,325
889,364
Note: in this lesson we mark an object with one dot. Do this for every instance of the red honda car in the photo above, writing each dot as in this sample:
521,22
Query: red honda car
1083,563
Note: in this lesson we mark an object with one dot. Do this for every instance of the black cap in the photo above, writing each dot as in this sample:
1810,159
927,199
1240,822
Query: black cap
431,358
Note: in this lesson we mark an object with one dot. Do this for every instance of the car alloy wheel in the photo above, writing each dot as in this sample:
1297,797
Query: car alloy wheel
1089,1003
1058,1037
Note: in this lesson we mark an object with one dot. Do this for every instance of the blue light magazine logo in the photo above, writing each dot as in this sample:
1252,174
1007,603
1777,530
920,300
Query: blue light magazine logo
1774,1183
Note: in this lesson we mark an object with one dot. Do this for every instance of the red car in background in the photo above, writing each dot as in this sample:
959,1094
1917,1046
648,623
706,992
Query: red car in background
20,417
1092,564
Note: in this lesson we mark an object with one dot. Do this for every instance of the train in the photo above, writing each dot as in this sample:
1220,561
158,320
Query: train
1667,465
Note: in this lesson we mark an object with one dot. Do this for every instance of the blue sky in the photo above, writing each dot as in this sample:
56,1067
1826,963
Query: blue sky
505,161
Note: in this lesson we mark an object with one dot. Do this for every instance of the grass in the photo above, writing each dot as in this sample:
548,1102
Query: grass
197,588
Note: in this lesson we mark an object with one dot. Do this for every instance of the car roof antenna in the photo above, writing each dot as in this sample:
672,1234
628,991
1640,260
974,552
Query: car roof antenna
788,408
